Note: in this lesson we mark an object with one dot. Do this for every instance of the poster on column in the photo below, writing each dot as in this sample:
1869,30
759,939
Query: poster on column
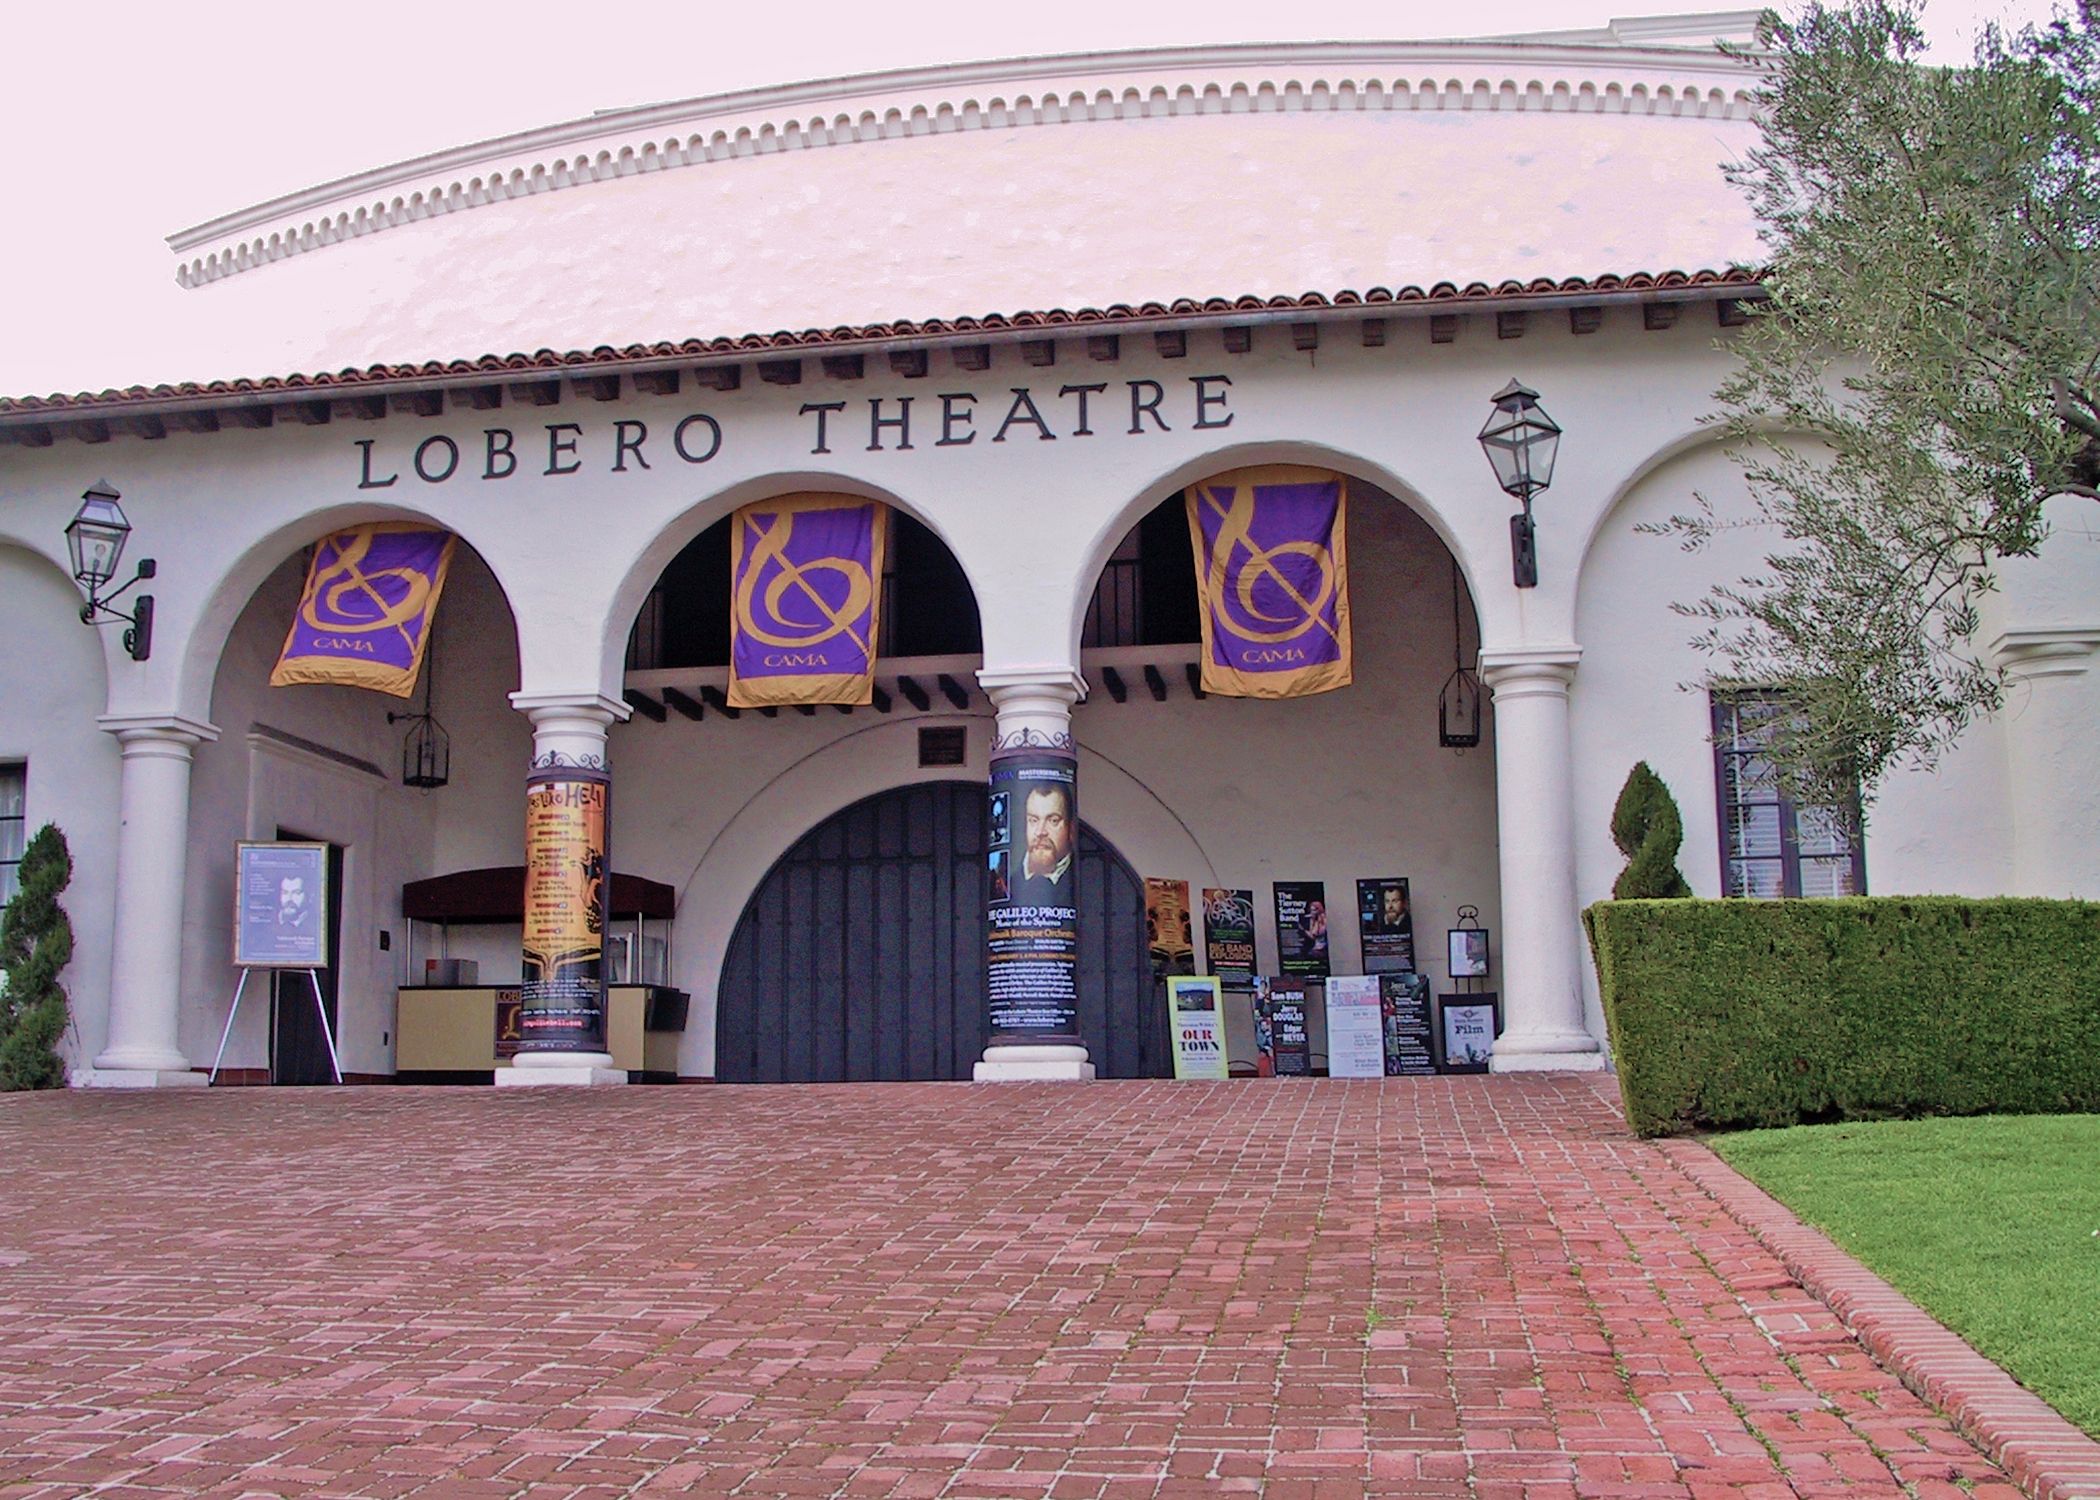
1410,1035
1355,1030
561,1002
1228,935
1168,927
281,916
1386,920
1196,1016
1301,927
1032,937
1283,1002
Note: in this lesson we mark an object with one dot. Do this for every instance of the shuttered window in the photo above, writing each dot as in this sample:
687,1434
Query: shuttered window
1770,844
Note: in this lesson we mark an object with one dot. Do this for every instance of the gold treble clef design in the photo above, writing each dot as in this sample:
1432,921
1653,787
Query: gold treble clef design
1227,571
771,548
344,582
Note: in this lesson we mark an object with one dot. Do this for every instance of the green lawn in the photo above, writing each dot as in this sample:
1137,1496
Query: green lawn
1986,1223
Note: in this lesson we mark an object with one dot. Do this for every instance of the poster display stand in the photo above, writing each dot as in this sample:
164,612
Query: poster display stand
1196,1016
313,977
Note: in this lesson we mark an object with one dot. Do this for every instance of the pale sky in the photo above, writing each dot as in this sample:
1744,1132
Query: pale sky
125,122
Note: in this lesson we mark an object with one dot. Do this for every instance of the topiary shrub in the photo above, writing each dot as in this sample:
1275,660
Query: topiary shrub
36,944
1648,830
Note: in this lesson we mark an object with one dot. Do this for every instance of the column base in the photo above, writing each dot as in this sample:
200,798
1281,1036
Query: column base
140,1078
1034,1064
543,1078
1547,1052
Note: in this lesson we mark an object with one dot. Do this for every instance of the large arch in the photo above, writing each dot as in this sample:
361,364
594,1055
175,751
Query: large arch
645,567
1117,524
229,593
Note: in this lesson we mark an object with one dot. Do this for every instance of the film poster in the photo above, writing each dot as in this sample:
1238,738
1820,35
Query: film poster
1385,918
561,1002
1469,1024
1228,935
1032,937
1196,1015
1282,1001
1410,1033
1301,927
1355,1031
1168,927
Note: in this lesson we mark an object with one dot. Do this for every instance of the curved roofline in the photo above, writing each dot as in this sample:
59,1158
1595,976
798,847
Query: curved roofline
1624,67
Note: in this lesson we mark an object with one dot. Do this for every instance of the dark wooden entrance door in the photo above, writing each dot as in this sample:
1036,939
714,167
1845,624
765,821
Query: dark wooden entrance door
861,955
298,1048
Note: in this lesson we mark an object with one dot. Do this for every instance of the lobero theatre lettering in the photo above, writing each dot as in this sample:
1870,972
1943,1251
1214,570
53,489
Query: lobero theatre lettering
1017,415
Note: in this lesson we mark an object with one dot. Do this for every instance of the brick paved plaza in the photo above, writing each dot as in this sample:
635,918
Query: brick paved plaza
1438,1287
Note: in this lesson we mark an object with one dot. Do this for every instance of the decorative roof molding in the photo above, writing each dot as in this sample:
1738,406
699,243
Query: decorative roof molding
1560,73
1737,284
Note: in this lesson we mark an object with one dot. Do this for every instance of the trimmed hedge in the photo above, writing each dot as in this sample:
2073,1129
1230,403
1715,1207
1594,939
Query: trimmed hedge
1742,1013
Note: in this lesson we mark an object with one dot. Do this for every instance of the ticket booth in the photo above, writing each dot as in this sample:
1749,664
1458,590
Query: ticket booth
453,1028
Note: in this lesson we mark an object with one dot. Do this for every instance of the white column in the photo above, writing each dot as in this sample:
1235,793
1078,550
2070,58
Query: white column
1535,813
153,835
2052,759
1034,707
568,729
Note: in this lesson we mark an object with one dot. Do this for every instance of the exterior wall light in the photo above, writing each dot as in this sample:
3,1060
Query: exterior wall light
1521,442
95,539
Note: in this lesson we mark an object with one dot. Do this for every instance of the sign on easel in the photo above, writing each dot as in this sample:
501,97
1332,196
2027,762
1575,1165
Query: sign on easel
280,916
1196,1014
280,921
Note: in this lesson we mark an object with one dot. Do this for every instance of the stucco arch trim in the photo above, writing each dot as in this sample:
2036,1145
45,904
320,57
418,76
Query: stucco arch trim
204,636
645,567
714,893
1274,451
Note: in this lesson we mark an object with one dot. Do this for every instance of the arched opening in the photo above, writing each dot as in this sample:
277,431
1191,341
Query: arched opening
861,956
1353,788
332,764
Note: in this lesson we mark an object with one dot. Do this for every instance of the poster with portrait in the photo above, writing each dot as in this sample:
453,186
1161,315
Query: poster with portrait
1409,1026
1196,1019
280,918
1355,1031
1032,940
1385,920
1282,1001
1228,935
568,888
1169,930
1301,927
1467,1026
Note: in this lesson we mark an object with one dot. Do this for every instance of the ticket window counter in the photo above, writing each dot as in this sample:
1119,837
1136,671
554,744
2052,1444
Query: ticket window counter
452,1029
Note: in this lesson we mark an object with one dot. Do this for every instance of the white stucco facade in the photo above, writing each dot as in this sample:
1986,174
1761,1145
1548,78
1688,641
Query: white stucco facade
978,192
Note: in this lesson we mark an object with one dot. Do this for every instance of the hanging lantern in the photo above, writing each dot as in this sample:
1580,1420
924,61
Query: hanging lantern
1458,705
426,754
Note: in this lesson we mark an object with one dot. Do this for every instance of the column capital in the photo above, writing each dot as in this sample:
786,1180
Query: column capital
2046,651
1005,684
163,729
1548,668
540,707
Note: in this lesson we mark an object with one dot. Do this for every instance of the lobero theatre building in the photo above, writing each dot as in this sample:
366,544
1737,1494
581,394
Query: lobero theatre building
752,588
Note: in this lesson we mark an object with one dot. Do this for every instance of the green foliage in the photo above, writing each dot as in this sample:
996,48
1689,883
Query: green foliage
36,944
1988,1224
1932,331
1735,1013
1648,830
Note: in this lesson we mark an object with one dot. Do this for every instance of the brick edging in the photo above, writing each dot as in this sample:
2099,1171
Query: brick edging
2048,1457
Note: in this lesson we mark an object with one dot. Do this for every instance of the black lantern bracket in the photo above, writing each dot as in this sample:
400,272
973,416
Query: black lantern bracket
95,541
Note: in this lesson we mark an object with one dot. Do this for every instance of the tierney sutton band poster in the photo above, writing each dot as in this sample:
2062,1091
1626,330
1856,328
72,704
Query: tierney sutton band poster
365,614
806,600
1272,570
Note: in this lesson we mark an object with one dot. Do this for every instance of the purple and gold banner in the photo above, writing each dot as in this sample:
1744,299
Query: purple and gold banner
1273,571
365,615
806,590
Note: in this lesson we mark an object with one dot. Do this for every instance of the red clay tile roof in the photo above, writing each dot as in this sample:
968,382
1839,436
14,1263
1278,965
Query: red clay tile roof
1640,285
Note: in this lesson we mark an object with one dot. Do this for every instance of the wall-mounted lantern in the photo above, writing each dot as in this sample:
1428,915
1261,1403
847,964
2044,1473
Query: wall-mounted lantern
95,540
1521,442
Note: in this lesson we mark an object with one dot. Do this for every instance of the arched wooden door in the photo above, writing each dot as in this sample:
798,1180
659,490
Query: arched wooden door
861,955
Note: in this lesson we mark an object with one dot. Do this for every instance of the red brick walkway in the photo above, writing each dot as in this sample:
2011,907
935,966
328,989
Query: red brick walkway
1475,1287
